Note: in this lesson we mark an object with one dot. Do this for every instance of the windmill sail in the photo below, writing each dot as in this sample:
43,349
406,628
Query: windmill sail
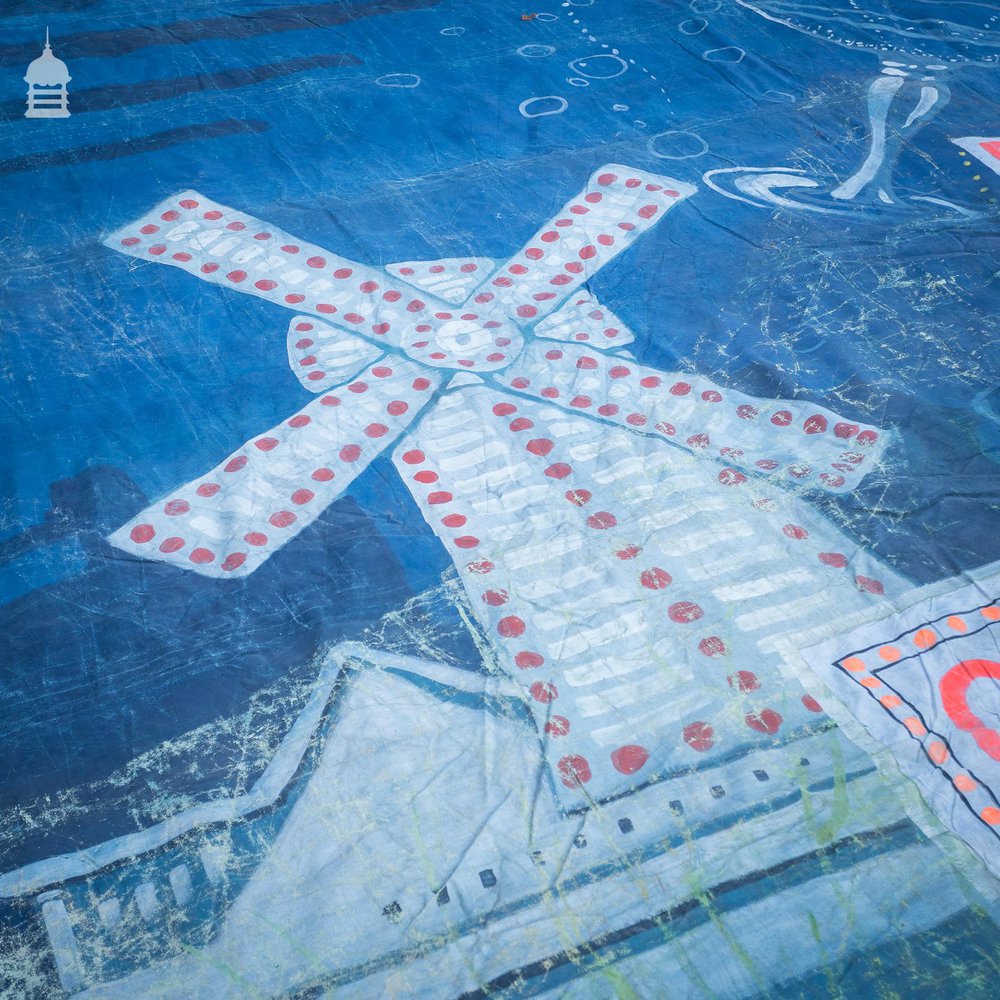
227,522
626,587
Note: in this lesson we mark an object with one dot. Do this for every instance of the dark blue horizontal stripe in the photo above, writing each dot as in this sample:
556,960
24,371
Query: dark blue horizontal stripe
130,147
121,95
300,17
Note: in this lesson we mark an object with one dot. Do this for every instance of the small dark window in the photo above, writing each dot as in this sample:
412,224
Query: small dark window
718,791
487,877
677,808
625,825
442,896
392,912
761,775
579,840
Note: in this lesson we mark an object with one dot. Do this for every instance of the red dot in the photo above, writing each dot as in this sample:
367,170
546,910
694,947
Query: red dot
711,396
234,561
712,646
816,424
158,250
130,241
376,430
172,544
415,305
699,736
602,520
330,401
869,585
594,197
426,476
261,236
811,703
302,496
782,418
496,598
414,457
550,392
397,408
354,317
699,441
528,660
323,475
521,424
170,216
504,409
368,286
636,420
655,578
588,252
470,542
585,361
520,382
574,771
765,721
300,420
235,464
835,559
795,531
680,389
527,312
605,240
510,627
282,519
290,248
534,253
350,453
539,446
142,533
543,692
188,203
558,725
454,520
202,556
517,269
608,409
629,759
620,371
266,443
255,538
236,276
684,611
578,497
648,211
744,681
325,307
845,431
441,496
392,296
380,328
746,412
213,215
469,268
236,227
185,257
209,268
358,387
148,229
265,284
606,179
175,507
580,402
731,477
558,470
629,552
294,299
208,489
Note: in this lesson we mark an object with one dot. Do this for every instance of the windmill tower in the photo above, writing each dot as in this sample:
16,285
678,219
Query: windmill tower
46,78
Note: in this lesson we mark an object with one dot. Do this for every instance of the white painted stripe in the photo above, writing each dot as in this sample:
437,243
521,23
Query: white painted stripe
762,585
783,613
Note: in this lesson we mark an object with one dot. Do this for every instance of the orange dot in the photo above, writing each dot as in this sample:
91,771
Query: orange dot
853,663
958,624
992,815
992,613
925,638
937,752
889,653
964,783
870,682
891,701
914,725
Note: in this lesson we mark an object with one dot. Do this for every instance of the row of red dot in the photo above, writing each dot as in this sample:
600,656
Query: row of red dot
350,453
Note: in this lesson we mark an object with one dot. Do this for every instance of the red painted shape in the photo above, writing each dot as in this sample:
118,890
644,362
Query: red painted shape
629,759
954,687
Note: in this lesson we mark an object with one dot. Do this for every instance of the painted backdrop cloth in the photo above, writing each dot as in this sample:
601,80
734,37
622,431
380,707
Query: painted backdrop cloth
500,501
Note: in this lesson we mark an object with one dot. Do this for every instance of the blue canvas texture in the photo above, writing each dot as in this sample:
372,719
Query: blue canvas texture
499,500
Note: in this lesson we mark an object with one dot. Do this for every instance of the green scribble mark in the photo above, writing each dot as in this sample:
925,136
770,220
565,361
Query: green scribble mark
826,832
251,990
621,986
828,972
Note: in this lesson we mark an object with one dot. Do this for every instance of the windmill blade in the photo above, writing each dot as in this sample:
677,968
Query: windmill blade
794,441
617,206
450,278
624,586
323,356
583,320
225,247
227,522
